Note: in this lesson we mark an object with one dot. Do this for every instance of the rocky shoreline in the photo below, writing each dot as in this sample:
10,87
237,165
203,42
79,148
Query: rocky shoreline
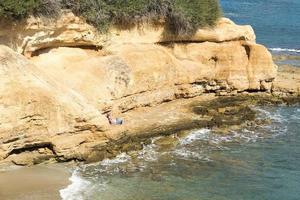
221,114
59,79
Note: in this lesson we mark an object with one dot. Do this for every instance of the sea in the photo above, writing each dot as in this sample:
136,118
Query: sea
276,22
257,163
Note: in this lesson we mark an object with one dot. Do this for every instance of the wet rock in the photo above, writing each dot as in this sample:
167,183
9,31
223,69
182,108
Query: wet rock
265,86
167,142
200,110
287,82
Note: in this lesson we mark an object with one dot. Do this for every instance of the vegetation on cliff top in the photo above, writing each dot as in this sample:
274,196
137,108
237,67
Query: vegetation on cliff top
181,16
19,9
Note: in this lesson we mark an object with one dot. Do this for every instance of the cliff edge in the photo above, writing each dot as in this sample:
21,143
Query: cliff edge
59,78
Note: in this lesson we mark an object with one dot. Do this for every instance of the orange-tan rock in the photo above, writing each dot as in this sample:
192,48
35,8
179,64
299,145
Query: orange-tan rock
35,108
53,102
287,81
34,34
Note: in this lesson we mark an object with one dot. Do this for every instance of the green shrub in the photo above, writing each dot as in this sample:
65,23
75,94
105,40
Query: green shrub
17,9
121,13
183,17
188,15
48,8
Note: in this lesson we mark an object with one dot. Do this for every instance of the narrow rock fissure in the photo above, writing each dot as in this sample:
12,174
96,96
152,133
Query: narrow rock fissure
171,42
83,46
247,49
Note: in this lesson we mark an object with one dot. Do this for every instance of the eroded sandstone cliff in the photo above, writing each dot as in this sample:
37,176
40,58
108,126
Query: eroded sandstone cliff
54,96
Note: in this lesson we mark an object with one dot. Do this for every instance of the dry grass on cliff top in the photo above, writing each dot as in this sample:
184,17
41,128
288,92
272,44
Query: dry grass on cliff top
183,17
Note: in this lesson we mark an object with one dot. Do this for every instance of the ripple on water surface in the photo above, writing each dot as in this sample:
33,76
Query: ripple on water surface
257,163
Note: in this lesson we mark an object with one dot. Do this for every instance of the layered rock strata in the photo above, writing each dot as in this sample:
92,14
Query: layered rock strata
53,102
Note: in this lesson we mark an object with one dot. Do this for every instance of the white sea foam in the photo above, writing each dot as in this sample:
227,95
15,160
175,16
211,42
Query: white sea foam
279,121
282,130
201,134
296,116
230,14
121,158
246,136
208,135
275,116
285,50
78,188
185,153
149,153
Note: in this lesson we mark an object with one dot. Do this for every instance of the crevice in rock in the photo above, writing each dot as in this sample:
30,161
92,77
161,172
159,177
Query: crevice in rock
11,140
31,116
170,43
214,58
32,147
87,127
248,50
81,46
252,91
132,94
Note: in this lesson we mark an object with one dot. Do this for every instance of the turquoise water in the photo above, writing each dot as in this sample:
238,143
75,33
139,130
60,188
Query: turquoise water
276,22
255,163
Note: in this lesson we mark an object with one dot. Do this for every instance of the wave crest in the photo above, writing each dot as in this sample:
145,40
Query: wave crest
285,50
77,189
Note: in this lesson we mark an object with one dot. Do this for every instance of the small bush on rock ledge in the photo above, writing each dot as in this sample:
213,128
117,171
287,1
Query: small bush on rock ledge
183,17
19,9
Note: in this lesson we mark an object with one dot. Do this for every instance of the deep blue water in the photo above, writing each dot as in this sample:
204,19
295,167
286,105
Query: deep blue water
276,22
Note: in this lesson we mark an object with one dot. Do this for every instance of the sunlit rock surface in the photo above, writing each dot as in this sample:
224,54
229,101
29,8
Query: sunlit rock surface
54,97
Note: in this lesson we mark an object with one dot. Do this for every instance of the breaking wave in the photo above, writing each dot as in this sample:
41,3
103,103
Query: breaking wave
94,179
121,158
202,134
77,190
285,50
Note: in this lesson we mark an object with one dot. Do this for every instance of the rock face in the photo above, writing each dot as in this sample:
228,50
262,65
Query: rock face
36,34
135,72
53,103
287,81
35,109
